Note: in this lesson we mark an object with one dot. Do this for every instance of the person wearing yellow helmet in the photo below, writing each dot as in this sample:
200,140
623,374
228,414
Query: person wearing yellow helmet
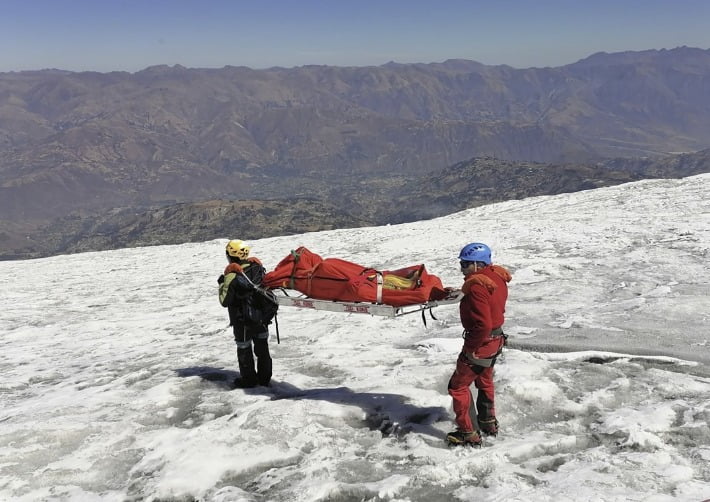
247,314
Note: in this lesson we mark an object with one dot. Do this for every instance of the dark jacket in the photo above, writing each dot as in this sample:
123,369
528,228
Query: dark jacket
236,292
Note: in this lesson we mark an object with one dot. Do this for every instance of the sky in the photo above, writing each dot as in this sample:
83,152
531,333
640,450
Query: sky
130,35
116,367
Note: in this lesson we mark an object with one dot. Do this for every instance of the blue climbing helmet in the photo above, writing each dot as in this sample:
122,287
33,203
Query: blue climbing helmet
476,251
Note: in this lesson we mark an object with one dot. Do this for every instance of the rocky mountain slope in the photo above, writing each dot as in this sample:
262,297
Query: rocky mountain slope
84,146
468,184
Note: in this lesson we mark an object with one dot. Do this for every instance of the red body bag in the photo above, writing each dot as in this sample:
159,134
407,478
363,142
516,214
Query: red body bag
340,280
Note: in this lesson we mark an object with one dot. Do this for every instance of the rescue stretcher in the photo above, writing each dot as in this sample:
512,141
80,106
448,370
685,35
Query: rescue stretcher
304,279
292,298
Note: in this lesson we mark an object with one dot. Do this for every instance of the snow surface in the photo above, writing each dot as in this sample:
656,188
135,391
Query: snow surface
116,367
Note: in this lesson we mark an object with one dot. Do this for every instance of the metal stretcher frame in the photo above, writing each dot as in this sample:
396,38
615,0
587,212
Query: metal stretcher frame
375,309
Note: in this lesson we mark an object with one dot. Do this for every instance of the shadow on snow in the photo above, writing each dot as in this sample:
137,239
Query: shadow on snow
391,414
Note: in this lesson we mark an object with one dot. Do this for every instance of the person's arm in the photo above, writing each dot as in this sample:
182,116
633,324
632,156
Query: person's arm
225,298
476,317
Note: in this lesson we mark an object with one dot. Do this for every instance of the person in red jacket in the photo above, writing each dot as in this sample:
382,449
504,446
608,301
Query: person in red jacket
482,311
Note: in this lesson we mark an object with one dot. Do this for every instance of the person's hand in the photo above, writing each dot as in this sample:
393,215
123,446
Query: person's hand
220,279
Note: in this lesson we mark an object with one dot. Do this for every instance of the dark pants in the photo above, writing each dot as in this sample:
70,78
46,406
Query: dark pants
245,338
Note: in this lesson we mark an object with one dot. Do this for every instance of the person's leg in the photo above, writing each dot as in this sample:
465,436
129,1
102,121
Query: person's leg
459,389
264,364
460,394
485,402
245,358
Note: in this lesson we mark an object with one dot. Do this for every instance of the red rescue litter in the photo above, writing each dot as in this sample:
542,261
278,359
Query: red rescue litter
344,281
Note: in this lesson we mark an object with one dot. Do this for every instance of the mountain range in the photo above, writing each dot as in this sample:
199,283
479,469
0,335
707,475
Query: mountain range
94,160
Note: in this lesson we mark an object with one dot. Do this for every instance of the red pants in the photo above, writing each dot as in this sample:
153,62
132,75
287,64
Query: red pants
460,392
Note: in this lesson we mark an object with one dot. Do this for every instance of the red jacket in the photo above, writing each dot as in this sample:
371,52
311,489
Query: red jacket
482,309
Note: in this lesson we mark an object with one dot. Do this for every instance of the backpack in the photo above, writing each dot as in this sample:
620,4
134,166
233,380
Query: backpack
260,307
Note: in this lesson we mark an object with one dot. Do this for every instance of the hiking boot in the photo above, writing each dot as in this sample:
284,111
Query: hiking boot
243,383
461,438
489,426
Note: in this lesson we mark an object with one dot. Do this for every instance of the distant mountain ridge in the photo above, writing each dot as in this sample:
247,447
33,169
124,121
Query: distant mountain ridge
468,184
86,143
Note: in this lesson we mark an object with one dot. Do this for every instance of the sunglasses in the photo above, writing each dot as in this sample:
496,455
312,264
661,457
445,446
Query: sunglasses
465,264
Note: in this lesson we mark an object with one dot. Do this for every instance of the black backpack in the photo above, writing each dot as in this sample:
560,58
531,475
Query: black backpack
260,307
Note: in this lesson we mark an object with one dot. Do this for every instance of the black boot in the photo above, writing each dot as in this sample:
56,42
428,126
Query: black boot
489,426
461,438
261,349
247,372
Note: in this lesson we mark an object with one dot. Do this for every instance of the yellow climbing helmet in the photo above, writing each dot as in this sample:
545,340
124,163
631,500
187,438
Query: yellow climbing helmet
237,249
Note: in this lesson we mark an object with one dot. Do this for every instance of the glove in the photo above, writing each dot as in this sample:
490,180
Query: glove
220,279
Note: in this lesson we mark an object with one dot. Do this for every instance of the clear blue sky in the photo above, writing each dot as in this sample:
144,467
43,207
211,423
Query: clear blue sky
106,35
